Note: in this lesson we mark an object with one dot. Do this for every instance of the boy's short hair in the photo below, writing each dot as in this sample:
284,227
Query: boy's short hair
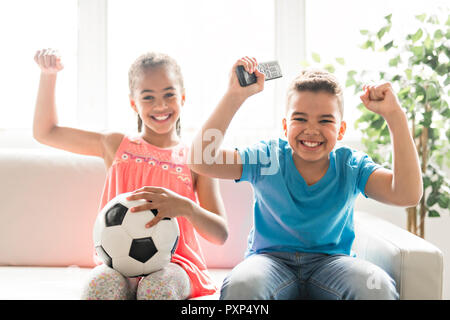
316,80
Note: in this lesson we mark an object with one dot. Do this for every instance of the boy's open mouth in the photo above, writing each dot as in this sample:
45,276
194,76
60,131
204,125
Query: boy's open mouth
311,144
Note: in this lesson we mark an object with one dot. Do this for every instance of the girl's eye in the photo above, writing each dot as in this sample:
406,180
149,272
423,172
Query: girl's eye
326,121
299,119
148,98
169,95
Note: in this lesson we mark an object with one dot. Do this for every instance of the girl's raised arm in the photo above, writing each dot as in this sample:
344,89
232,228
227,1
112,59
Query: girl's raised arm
45,123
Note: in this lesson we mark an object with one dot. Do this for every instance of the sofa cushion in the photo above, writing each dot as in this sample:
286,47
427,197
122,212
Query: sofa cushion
49,201
48,206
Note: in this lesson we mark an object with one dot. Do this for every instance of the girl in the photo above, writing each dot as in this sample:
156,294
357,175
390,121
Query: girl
153,166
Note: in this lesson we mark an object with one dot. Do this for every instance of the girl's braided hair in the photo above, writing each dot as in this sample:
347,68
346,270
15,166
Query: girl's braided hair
148,61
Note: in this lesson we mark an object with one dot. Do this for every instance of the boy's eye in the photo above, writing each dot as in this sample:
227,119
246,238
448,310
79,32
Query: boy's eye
169,95
299,119
148,98
325,121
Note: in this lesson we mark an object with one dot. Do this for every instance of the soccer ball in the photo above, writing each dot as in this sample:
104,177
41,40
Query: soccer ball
123,243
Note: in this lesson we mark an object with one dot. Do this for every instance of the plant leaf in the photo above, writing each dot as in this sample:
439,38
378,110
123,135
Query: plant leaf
421,17
316,57
381,32
329,67
394,61
431,92
443,201
428,43
438,35
433,214
368,44
388,45
415,37
388,18
341,61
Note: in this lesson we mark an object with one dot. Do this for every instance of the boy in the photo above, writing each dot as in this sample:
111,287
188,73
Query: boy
305,190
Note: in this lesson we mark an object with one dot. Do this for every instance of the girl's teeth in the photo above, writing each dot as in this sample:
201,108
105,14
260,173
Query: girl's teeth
161,118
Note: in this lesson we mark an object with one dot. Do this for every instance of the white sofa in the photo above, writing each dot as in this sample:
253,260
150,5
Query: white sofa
49,200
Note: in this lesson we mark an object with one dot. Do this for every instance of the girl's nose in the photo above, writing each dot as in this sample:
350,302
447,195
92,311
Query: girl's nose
159,104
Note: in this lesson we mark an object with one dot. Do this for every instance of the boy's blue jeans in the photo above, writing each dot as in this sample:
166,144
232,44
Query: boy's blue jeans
285,275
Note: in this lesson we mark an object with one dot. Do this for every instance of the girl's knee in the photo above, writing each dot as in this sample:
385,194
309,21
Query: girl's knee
107,284
171,283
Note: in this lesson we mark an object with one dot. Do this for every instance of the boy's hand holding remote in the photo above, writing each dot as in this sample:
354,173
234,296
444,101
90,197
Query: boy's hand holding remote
242,93
220,119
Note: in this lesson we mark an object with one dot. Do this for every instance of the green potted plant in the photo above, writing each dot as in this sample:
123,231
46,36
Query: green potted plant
419,68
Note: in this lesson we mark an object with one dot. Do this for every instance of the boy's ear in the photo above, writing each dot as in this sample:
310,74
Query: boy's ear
284,126
342,130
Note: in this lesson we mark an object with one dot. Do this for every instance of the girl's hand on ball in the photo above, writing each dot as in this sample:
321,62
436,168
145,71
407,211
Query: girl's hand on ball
168,203
49,61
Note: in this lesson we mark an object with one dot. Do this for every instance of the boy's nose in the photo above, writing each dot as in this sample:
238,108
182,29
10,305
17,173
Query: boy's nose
311,129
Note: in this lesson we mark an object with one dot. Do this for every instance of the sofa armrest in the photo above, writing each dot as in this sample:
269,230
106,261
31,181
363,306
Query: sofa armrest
415,264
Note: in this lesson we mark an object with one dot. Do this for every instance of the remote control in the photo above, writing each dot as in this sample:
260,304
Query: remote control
270,69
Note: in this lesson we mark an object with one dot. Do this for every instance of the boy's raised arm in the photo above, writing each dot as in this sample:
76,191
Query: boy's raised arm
403,185
206,157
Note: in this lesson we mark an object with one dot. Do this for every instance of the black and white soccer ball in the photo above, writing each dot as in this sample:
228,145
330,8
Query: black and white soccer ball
123,242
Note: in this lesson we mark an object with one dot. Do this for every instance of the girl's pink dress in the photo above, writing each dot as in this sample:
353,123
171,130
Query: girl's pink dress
137,163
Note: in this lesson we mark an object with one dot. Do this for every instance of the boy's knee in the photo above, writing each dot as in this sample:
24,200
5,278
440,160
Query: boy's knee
244,287
377,286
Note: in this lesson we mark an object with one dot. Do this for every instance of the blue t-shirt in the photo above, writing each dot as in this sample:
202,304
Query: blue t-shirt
291,216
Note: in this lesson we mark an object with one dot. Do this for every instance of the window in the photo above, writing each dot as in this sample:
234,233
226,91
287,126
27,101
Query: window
99,39
332,30
26,26
206,38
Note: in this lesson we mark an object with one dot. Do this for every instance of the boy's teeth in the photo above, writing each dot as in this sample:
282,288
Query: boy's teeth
311,144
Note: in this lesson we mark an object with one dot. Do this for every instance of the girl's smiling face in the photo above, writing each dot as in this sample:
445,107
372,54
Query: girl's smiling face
313,124
158,98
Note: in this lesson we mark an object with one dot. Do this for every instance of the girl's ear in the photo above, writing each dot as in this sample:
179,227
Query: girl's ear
132,103
342,130
284,126
183,97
